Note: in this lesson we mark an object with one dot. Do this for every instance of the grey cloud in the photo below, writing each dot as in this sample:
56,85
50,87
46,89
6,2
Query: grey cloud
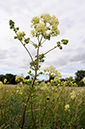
79,58
13,52
3,54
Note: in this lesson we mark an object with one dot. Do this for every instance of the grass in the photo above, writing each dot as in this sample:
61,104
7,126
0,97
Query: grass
48,107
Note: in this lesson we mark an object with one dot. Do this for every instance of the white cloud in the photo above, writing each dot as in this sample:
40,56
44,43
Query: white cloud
72,21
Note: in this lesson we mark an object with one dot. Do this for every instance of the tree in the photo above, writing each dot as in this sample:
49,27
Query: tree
44,27
10,78
52,72
80,74
2,77
27,77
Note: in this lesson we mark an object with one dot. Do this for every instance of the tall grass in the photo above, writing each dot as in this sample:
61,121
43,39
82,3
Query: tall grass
48,108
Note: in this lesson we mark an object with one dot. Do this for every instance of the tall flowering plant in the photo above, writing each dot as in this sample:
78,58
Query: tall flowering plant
43,28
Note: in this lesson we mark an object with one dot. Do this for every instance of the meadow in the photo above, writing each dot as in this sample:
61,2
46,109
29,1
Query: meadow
49,107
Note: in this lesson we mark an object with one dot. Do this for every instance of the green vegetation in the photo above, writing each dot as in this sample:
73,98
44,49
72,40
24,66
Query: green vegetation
49,107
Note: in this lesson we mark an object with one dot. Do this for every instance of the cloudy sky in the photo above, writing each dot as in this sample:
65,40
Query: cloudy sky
71,14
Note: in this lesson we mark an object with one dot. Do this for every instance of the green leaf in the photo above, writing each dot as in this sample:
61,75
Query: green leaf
61,47
64,41
58,44
15,37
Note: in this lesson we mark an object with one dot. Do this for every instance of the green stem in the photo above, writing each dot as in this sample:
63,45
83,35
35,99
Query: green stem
50,50
26,48
24,112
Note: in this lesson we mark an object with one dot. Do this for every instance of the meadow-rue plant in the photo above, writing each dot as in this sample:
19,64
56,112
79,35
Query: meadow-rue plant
19,78
67,107
73,95
44,28
52,72
44,88
1,85
5,81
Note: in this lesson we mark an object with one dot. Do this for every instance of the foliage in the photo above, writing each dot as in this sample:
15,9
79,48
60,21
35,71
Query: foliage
8,78
49,107
83,80
80,74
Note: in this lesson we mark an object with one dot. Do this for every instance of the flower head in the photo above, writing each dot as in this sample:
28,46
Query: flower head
5,80
67,107
1,85
73,95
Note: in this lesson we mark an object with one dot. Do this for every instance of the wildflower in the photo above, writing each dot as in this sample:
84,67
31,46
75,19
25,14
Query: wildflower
5,80
19,78
1,85
35,20
7,91
25,104
67,107
18,91
81,90
54,20
48,84
73,95
46,17
44,88
54,88
20,84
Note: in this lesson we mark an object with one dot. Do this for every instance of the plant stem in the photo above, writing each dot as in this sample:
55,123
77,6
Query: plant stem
50,50
23,119
24,112
33,117
26,48
27,51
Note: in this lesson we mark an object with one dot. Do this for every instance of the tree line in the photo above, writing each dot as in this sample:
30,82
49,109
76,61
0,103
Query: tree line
79,75
10,78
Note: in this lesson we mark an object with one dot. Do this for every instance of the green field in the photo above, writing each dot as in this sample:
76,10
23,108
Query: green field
49,107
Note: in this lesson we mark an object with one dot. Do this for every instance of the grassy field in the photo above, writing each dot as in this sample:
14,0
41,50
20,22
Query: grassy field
48,107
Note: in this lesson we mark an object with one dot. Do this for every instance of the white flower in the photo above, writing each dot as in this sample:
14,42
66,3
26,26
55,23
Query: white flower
35,20
73,95
5,80
44,88
1,85
67,107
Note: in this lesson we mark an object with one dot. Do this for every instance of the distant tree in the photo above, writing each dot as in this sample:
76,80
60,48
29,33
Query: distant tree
80,74
10,78
2,77
27,77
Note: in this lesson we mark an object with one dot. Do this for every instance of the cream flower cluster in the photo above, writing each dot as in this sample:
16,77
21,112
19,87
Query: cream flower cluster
5,80
45,25
19,78
1,85
67,107
73,95
51,71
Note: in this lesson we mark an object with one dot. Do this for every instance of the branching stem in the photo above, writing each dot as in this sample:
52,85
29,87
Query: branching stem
50,50
25,48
